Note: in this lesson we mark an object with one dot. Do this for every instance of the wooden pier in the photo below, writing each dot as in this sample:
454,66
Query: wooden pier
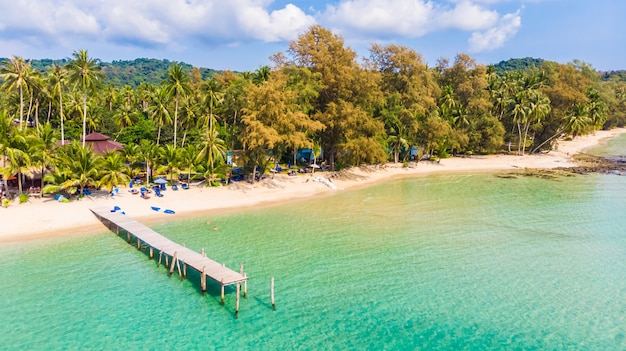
167,249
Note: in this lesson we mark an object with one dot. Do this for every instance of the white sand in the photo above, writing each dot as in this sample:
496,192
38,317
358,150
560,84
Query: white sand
49,218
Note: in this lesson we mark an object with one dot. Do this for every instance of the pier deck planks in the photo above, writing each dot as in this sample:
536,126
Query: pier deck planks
214,270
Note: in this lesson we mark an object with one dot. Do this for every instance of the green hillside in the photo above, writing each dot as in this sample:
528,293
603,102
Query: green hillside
127,72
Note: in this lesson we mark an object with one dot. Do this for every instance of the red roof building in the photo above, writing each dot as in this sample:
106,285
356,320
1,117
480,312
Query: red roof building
101,144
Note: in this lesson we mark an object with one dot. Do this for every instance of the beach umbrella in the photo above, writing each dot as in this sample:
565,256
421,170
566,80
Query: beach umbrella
160,181
314,166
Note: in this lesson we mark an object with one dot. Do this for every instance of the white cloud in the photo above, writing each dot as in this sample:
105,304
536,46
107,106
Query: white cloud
150,22
397,19
400,17
496,36
48,18
466,15
284,24
411,18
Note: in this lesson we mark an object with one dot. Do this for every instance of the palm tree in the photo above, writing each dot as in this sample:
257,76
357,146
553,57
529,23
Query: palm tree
261,75
34,84
190,112
132,156
177,84
14,73
6,126
17,154
189,158
213,99
84,72
158,111
149,153
170,156
578,120
126,116
44,144
77,168
213,149
56,76
113,171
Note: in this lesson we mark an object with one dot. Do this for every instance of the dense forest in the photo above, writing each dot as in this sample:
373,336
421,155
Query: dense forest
132,73
174,118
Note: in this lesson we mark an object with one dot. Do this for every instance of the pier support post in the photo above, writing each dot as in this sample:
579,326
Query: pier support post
184,270
222,283
237,303
128,237
203,281
203,253
173,263
160,256
272,292
245,286
178,266
241,268
138,244
151,253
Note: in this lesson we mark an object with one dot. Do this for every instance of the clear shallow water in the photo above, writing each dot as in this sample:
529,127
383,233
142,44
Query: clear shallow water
459,261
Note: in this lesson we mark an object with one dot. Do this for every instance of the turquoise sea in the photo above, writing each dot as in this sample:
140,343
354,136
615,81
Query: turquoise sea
444,262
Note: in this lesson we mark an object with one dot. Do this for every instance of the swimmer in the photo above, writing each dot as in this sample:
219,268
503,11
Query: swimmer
215,228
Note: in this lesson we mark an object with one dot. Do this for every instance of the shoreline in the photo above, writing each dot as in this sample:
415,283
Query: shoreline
46,218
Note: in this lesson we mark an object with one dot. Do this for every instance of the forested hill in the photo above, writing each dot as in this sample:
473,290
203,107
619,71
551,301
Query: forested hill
518,64
154,71
133,73
142,70
522,64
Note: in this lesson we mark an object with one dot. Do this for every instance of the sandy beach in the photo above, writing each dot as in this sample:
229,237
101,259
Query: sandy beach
47,217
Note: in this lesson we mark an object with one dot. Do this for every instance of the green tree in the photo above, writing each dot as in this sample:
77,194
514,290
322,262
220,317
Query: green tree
177,84
170,157
128,114
148,153
346,99
17,154
43,146
213,99
213,149
6,128
274,121
56,77
85,73
410,91
189,158
158,110
578,121
113,171
15,74
77,169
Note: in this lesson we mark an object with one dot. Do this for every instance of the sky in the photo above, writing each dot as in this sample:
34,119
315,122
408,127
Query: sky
241,35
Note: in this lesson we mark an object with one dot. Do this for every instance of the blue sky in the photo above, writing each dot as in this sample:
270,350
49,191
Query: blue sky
242,34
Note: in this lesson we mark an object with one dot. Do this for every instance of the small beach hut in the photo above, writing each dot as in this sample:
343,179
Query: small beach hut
101,143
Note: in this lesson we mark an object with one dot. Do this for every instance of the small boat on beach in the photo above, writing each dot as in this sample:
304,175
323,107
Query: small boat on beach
164,210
